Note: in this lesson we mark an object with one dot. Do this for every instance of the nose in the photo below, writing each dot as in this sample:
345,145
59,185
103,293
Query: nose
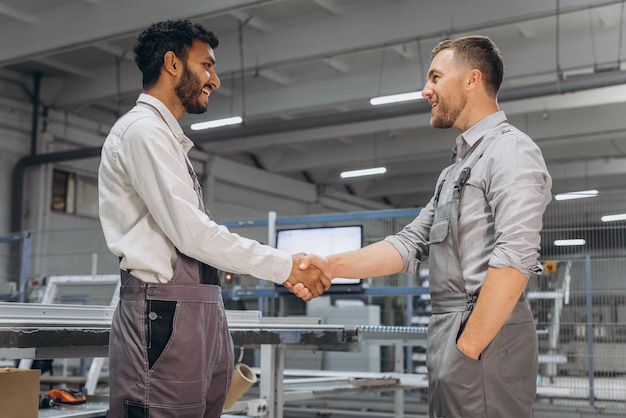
214,81
427,92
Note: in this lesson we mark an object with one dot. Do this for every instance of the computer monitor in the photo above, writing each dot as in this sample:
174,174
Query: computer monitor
323,241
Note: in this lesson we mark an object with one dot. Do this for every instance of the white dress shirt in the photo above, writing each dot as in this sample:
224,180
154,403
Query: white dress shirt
149,208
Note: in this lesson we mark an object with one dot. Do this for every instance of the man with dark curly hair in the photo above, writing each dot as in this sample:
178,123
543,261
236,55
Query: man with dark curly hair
170,350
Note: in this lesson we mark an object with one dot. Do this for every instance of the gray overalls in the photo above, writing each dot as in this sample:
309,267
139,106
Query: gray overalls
170,350
502,383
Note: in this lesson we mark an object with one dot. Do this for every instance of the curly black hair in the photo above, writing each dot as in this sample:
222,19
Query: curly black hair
171,35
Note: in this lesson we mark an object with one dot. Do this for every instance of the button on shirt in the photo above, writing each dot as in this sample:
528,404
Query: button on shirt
501,208
149,208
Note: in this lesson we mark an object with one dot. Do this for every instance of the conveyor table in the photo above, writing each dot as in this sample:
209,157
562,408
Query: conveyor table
37,331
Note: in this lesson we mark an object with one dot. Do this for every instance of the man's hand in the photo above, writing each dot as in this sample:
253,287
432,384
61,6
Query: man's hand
314,260
499,293
307,283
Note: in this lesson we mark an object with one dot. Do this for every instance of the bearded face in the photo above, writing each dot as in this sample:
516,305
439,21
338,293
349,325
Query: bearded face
189,91
448,109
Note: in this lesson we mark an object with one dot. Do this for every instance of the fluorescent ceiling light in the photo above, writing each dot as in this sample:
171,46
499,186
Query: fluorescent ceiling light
364,172
568,242
613,218
395,98
216,123
576,195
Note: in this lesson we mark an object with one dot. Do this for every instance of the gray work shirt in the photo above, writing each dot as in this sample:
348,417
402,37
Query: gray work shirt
501,208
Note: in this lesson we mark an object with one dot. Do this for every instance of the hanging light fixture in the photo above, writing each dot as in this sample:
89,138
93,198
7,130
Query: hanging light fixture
396,98
235,120
614,218
363,172
569,242
576,195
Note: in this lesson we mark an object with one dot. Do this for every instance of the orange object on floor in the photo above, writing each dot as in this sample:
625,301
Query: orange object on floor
67,396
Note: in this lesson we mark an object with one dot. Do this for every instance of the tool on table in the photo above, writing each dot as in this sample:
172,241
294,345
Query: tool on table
67,396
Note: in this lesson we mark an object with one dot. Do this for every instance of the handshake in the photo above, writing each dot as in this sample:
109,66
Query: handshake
310,276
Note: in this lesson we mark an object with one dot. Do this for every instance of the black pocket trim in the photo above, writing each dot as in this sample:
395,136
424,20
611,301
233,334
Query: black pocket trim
134,409
160,324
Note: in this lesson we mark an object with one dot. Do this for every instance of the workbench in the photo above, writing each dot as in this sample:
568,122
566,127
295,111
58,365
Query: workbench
37,331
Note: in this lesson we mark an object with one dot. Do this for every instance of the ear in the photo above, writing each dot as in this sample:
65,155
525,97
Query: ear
171,63
474,78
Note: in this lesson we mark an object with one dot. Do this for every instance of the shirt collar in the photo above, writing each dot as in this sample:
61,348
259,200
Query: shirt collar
167,116
476,132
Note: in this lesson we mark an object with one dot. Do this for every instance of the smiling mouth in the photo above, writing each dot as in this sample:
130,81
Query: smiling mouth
206,91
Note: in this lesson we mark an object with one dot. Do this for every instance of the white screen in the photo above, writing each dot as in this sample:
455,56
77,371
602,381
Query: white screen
321,241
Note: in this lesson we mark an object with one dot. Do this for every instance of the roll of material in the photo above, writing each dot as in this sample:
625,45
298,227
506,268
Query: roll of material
243,379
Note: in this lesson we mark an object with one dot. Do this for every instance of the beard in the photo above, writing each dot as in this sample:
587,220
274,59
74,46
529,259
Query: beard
447,114
189,91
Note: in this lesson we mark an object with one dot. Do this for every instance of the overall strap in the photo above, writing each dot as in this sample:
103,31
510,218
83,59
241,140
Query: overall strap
465,302
476,153
208,274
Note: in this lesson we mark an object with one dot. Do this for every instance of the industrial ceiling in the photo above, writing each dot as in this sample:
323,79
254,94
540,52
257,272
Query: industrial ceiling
301,73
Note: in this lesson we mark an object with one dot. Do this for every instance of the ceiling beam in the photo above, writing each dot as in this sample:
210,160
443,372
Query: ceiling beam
251,20
405,51
16,14
115,50
590,168
330,6
526,29
68,68
607,18
77,24
275,77
337,64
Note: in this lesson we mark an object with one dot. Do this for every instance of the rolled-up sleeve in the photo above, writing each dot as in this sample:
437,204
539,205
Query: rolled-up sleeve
518,192
412,241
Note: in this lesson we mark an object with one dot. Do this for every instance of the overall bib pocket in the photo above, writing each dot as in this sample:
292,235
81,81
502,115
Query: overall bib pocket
438,232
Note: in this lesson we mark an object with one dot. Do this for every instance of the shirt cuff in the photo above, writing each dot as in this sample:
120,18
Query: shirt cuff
410,263
281,268
503,259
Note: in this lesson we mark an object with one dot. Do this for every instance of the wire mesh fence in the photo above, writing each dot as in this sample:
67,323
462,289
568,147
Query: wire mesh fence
579,302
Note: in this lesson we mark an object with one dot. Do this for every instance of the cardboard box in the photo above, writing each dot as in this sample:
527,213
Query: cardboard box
19,393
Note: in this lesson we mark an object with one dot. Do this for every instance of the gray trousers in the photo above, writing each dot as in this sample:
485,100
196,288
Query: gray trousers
501,384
